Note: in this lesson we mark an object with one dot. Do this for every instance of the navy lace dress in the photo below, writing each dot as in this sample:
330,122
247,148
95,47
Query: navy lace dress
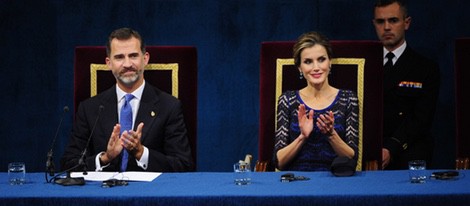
316,154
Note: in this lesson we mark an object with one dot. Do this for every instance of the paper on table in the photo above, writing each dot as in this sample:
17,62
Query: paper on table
129,176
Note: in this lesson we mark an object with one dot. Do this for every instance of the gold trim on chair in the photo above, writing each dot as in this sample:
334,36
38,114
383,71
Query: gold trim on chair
173,67
359,62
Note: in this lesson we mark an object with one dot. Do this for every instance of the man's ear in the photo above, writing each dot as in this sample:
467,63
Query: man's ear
407,22
108,62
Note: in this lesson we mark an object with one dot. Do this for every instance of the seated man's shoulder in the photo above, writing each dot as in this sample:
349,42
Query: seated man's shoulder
162,95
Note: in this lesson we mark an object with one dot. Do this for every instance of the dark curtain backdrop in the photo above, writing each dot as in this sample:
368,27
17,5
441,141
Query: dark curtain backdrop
38,38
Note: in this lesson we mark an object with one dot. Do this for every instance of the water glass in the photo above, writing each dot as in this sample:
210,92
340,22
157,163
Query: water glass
16,173
242,173
417,171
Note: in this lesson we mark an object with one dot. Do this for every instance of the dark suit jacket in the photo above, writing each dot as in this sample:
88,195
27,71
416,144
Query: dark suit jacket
411,89
164,132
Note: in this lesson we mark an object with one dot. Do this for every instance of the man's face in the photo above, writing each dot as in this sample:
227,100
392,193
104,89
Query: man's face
127,62
390,24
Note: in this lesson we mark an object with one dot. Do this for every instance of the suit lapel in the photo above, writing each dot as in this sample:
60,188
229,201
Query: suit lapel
109,114
148,110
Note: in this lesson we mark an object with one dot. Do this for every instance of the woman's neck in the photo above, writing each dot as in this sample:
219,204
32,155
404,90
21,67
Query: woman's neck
318,98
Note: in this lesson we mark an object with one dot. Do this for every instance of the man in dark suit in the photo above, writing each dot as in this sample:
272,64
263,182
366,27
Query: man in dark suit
158,141
411,88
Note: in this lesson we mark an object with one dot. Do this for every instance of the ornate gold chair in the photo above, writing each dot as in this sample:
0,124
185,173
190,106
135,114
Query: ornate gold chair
357,66
172,69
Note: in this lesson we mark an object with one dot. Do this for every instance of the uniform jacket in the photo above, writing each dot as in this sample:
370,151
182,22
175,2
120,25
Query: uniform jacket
411,90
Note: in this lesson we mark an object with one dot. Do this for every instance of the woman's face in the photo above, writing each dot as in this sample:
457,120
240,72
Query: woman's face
315,64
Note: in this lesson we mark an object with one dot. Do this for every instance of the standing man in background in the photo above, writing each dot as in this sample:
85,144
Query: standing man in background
411,88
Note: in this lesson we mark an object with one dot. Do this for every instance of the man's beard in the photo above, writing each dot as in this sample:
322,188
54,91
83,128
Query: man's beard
129,79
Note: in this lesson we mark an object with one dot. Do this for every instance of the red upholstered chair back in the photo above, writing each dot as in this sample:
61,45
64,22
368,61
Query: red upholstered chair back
357,66
462,102
172,69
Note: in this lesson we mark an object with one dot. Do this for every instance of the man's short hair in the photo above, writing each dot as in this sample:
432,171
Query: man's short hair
401,3
124,34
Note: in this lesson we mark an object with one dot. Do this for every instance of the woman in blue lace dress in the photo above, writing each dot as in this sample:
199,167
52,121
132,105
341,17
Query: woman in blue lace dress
319,122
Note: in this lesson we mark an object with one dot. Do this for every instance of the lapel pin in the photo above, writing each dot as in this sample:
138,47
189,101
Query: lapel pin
152,114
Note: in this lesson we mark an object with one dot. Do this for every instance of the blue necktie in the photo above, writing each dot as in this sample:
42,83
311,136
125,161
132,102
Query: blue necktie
126,125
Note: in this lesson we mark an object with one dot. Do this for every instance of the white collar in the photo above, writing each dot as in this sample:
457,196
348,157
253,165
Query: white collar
137,93
397,52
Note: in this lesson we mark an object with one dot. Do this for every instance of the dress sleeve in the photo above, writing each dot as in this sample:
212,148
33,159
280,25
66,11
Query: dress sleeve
352,123
282,130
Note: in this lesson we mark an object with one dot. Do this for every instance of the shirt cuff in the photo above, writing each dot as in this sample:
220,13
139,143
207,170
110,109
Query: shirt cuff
98,166
144,160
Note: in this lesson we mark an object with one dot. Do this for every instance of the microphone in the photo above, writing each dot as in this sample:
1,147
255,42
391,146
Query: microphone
81,161
50,168
68,180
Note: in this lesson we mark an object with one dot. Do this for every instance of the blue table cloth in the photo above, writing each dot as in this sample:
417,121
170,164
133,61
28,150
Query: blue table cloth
213,188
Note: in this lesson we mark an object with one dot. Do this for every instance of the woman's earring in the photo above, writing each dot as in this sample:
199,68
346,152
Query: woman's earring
301,75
